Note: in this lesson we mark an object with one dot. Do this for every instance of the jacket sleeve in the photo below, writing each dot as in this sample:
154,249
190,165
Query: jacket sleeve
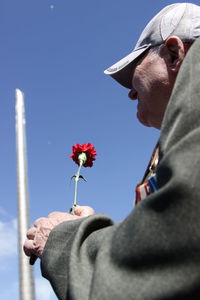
154,254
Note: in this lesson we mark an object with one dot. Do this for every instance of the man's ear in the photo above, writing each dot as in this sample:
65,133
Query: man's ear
175,53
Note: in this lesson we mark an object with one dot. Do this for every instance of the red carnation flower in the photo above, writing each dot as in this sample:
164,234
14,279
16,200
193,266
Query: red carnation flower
88,149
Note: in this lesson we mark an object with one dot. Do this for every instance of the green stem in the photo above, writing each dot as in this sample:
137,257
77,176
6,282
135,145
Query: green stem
76,185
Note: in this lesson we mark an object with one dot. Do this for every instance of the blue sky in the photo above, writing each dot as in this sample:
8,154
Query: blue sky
56,51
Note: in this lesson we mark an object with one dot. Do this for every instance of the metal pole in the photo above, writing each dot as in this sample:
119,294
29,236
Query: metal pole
27,291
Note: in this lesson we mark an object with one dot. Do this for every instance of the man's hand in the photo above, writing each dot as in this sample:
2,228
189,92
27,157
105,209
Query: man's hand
38,235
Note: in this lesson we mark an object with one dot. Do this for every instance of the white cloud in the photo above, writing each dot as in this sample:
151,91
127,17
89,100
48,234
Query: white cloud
44,290
9,265
10,291
3,212
8,238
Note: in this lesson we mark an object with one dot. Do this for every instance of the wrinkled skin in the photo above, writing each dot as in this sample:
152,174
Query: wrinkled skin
153,80
39,233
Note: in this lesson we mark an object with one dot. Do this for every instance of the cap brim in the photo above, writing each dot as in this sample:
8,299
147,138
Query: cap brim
122,70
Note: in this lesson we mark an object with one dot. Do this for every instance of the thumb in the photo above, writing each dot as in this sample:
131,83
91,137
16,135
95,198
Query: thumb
83,211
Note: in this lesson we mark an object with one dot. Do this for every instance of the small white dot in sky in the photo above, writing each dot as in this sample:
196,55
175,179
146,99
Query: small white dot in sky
52,6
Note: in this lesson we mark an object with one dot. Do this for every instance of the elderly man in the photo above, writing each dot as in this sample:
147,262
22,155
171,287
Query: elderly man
155,252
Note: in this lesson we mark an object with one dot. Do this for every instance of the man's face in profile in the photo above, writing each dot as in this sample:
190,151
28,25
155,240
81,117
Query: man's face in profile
151,86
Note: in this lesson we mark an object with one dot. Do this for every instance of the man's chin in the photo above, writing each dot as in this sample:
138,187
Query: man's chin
143,121
147,123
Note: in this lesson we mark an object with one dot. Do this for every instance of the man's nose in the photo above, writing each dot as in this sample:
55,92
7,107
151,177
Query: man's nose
132,94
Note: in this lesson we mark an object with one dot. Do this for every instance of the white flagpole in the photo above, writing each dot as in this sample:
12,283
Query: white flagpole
27,291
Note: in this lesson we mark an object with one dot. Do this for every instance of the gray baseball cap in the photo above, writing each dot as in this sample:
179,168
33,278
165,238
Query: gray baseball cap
180,19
